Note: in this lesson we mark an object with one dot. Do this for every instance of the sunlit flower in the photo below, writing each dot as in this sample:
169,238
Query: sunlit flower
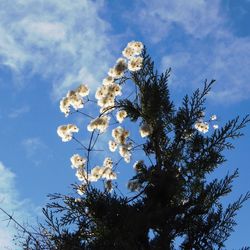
120,134
66,131
112,146
133,48
65,106
100,123
81,174
136,46
215,126
128,52
121,115
108,174
96,173
202,126
77,161
121,65
82,90
108,80
135,63
108,162
145,130
213,118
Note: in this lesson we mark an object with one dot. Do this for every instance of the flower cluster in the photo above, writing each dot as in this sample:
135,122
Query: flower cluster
96,173
106,95
145,130
74,98
66,131
100,123
132,52
203,126
120,136
77,161
121,115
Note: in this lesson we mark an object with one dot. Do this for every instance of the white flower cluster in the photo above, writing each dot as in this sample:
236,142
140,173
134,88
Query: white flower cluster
66,131
120,135
106,95
118,70
203,127
74,98
77,161
121,115
145,130
96,173
132,52
100,123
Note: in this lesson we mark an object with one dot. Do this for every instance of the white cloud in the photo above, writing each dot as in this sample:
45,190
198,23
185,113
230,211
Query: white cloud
11,203
196,17
227,61
205,47
62,40
15,113
33,146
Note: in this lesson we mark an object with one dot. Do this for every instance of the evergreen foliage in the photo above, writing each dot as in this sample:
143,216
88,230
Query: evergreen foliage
172,197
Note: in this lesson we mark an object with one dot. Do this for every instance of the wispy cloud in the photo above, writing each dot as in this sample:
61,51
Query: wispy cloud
197,18
63,40
15,113
11,202
199,45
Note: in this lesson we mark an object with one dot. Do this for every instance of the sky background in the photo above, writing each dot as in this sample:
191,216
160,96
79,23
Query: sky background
49,47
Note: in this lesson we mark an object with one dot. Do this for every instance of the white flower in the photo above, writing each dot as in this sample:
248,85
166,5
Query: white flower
124,151
120,134
215,126
121,65
213,118
77,161
108,174
136,46
100,123
65,106
66,131
202,126
81,174
121,115
108,162
135,63
145,130
133,48
75,100
112,146
82,90
96,174
108,80
72,128
128,52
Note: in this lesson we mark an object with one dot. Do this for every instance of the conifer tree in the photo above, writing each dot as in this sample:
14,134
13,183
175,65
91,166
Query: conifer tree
171,195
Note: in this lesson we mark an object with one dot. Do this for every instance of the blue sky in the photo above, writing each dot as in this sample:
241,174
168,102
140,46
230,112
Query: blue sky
48,47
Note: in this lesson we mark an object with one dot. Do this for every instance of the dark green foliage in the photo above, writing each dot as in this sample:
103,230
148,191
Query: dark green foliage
173,197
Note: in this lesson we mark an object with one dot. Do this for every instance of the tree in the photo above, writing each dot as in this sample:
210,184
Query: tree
171,196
